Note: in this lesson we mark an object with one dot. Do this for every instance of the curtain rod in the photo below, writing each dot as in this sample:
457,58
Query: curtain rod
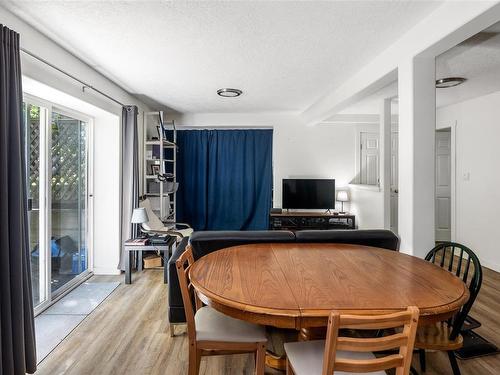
85,85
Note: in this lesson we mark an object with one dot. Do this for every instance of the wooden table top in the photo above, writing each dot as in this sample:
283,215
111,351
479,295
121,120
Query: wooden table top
296,285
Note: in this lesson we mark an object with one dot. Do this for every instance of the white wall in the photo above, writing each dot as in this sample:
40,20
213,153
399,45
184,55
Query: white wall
368,206
107,121
477,154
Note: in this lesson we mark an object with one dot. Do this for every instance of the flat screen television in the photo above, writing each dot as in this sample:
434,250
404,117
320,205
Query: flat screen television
308,193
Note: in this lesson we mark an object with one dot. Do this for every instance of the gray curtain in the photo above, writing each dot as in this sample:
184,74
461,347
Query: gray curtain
130,174
17,343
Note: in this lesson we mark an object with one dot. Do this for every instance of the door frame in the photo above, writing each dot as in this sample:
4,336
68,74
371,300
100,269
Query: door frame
394,130
45,216
453,126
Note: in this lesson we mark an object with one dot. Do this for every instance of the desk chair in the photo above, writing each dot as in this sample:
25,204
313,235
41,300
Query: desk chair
156,226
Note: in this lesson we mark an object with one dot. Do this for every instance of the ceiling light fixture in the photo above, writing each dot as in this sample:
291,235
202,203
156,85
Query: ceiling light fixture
229,93
445,83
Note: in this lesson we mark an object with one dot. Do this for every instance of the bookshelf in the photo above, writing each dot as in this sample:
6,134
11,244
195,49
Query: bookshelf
160,162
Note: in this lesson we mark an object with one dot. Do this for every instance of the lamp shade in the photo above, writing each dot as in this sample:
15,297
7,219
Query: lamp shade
139,216
342,196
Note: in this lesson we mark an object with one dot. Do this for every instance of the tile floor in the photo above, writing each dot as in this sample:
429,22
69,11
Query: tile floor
55,323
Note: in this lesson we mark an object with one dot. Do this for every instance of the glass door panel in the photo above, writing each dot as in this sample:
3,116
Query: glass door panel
34,119
68,213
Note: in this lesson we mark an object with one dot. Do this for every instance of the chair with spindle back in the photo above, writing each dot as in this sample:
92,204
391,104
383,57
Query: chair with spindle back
445,336
213,333
340,355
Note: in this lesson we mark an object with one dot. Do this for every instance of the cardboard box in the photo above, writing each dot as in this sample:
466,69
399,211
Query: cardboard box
152,261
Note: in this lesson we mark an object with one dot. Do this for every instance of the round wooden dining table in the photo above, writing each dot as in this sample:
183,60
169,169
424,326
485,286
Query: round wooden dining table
297,285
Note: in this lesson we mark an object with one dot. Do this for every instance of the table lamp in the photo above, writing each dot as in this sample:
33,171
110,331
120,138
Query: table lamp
139,216
342,196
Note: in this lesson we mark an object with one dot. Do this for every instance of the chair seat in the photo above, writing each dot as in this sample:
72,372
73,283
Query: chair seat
306,357
437,337
212,325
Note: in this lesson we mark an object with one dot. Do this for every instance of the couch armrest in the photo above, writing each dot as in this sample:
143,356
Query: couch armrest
175,304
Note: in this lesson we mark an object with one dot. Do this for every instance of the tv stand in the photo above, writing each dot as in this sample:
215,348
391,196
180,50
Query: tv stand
310,220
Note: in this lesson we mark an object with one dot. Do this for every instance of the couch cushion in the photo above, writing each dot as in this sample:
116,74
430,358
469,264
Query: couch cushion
205,242
383,238
212,325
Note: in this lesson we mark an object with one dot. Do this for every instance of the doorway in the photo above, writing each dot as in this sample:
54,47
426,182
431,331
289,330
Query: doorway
394,181
394,161
58,149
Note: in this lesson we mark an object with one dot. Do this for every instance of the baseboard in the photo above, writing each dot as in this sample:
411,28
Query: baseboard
491,265
106,271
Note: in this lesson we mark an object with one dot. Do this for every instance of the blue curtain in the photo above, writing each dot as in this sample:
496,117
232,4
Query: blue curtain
225,179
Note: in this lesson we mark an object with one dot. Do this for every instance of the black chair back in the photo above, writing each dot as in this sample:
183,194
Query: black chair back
464,263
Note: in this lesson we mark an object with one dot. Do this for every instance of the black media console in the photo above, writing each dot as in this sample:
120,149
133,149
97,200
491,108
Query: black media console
310,220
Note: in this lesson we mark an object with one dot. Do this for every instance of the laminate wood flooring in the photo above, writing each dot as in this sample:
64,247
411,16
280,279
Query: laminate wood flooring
129,334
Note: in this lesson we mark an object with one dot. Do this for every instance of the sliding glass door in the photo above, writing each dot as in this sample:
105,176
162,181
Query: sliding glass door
58,173
68,213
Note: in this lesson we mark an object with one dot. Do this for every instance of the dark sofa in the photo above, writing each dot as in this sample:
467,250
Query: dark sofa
205,242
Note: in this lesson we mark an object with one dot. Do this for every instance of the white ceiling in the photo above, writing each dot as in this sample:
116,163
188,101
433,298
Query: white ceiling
478,60
283,55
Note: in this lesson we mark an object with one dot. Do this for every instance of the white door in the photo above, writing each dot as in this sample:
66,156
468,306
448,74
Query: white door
369,168
443,186
394,182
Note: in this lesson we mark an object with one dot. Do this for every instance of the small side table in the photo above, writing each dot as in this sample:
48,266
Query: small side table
165,247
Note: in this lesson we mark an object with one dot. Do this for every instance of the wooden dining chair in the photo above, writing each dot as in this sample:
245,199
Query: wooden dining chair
213,333
445,336
341,354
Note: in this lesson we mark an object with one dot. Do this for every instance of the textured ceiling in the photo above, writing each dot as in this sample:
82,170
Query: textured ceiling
283,55
478,60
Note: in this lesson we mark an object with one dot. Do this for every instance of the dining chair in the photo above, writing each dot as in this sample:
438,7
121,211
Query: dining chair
213,333
445,336
341,354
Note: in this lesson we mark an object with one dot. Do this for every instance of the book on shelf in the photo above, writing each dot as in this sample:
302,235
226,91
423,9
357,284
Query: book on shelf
137,242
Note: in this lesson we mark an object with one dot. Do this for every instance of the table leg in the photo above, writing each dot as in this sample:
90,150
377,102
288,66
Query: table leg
139,260
312,333
275,362
128,268
275,354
